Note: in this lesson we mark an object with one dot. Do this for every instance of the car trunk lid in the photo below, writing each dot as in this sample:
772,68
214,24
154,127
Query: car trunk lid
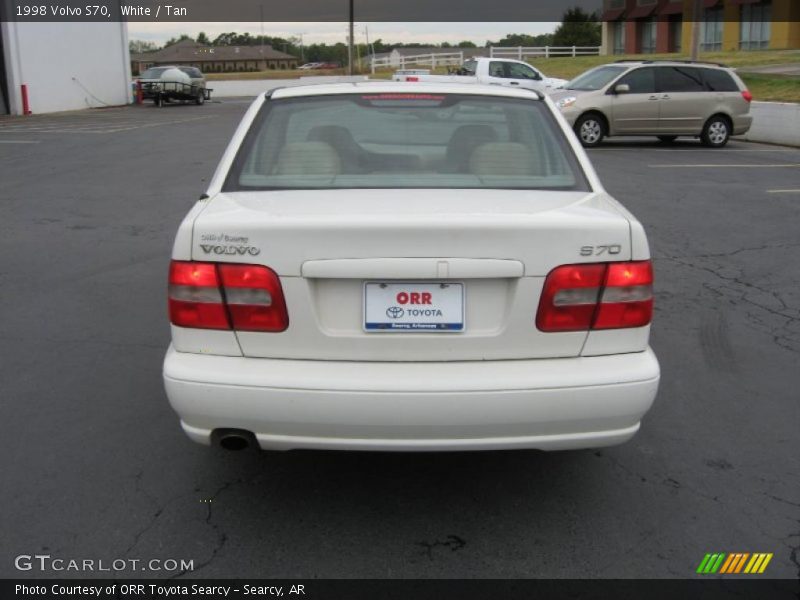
497,246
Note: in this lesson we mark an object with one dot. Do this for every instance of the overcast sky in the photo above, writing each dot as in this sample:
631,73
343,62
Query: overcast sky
331,33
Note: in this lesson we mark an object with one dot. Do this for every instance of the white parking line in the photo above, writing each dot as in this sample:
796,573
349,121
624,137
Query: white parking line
712,166
681,150
19,141
156,124
94,127
783,191
39,130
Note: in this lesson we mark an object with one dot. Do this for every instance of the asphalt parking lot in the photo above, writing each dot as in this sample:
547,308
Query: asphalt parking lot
95,465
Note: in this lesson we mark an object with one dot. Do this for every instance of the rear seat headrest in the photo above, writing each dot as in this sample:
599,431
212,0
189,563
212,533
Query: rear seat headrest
308,158
463,141
504,159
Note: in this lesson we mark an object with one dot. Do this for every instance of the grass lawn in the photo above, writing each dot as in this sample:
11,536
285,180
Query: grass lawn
568,67
772,88
769,88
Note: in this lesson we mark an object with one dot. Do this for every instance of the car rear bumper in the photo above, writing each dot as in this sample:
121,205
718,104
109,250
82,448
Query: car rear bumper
547,404
742,124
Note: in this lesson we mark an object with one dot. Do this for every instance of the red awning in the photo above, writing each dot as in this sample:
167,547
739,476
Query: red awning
612,15
710,3
743,1
642,11
671,8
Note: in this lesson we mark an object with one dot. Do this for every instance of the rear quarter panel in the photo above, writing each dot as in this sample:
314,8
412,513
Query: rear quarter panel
731,104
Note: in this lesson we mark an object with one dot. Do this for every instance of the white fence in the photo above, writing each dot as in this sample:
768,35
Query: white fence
443,59
521,52
439,59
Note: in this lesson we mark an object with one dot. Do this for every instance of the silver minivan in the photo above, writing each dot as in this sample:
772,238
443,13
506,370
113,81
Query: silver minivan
666,99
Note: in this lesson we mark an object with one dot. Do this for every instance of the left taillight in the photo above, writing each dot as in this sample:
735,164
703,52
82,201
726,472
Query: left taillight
254,298
226,296
195,297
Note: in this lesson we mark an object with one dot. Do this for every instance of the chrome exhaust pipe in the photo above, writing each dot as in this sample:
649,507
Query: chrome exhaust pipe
234,439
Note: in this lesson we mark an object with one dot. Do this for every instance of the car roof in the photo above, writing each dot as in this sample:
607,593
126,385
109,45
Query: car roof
379,87
667,63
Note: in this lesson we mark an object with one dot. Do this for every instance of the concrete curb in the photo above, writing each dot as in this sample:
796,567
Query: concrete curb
775,123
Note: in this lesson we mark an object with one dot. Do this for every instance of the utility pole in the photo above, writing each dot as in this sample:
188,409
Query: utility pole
302,48
262,37
370,50
350,43
697,15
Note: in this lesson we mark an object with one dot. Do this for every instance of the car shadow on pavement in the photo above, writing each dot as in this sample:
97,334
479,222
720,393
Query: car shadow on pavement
687,143
368,514
304,477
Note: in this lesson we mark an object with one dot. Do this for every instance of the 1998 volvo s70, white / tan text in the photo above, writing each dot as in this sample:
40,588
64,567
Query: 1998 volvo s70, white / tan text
401,266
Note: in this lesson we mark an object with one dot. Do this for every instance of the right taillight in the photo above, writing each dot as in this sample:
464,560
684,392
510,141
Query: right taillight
226,296
747,95
597,296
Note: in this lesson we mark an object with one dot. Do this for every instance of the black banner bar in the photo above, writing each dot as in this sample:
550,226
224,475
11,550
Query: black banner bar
416,589
186,11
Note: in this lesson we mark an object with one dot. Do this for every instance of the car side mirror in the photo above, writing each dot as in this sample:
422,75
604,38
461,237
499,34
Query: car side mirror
622,88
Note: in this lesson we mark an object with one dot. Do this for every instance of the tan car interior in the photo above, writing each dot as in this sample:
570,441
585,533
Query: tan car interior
472,149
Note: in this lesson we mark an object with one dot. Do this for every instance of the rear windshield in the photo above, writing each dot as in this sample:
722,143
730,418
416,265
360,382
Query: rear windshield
154,73
191,71
595,79
405,140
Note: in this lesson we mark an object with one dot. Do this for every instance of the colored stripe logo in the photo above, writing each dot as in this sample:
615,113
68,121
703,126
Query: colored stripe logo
734,563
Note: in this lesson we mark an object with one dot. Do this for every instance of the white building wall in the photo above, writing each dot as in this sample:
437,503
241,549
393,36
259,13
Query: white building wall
67,66
607,44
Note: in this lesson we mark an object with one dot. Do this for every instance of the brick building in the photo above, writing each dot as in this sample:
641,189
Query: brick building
664,26
214,59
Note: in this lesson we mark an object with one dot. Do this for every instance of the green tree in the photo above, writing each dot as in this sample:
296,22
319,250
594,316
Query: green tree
325,53
523,39
466,44
379,46
225,39
578,28
180,38
517,39
202,38
139,46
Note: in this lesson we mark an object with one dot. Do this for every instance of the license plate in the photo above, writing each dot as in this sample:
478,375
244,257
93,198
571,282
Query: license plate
413,306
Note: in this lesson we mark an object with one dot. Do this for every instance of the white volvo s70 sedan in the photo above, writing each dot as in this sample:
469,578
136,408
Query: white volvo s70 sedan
408,266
